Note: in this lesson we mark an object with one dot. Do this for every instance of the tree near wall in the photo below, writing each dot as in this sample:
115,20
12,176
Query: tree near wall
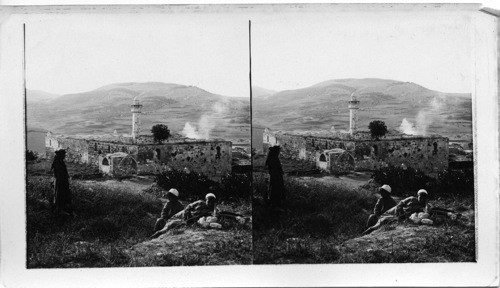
377,128
160,132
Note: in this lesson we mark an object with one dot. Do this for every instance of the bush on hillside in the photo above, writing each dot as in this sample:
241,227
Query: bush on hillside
194,186
408,182
403,182
191,186
455,183
31,155
234,187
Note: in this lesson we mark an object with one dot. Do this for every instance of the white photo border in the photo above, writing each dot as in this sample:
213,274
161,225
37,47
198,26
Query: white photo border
12,210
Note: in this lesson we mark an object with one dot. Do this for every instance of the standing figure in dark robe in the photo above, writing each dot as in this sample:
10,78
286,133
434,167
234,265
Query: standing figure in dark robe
276,186
62,194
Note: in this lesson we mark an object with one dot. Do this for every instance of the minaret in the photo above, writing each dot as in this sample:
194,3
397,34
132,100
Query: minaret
353,114
136,110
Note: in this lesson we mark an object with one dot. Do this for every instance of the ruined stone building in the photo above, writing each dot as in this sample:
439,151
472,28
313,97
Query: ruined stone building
339,152
122,156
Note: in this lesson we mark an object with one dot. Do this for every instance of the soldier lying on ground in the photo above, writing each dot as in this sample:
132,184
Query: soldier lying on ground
190,214
384,203
417,208
172,207
202,212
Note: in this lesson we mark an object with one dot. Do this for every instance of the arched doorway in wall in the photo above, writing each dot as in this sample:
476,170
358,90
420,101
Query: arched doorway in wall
346,158
322,158
342,161
126,166
217,156
158,154
374,150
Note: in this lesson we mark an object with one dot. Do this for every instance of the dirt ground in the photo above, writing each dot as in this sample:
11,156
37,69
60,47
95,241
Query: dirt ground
188,246
353,180
136,184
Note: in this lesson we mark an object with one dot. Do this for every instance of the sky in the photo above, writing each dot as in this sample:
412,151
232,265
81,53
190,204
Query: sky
432,49
77,53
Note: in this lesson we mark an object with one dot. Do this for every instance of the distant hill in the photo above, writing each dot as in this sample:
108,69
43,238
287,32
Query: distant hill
107,108
262,92
39,96
321,106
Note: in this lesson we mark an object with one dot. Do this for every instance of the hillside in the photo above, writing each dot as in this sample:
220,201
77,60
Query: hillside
260,92
113,219
195,246
107,108
324,218
34,96
324,105
406,242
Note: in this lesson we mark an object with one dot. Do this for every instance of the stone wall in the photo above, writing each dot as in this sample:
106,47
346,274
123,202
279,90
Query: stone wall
307,147
76,149
268,140
212,158
258,139
427,154
101,148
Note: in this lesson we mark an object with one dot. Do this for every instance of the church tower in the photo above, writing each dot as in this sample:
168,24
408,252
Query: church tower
353,114
136,110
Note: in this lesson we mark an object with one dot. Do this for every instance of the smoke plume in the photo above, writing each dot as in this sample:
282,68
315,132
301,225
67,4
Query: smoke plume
190,132
408,128
424,118
207,122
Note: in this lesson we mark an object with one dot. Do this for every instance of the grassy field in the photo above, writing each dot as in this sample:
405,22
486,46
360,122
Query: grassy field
323,224
109,220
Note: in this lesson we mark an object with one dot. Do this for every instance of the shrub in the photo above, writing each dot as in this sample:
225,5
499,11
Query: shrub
408,182
31,155
234,187
403,182
191,186
455,183
194,186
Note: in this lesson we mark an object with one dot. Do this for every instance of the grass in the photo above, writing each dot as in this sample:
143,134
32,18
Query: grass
215,249
449,243
77,171
323,223
106,222
109,221
290,166
318,215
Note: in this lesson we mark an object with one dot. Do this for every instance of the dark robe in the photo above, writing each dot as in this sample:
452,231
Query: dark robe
62,194
276,185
